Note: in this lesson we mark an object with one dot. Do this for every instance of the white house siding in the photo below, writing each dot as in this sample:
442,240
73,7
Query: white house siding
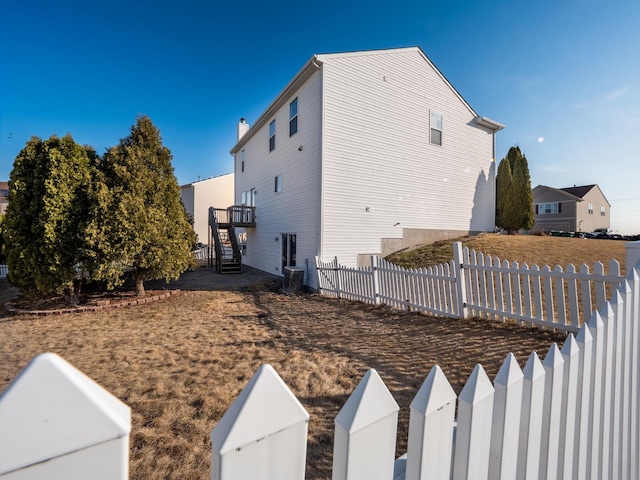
295,209
198,196
381,173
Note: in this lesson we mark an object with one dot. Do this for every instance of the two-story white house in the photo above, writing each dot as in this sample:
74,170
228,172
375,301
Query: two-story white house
363,153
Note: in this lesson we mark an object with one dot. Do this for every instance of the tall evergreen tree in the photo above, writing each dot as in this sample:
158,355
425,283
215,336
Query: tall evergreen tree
524,194
46,216
2,259
514,198
504,196
138,220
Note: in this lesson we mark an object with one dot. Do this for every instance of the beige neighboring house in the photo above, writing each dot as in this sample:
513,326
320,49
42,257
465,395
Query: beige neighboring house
571,209
4,196
198,196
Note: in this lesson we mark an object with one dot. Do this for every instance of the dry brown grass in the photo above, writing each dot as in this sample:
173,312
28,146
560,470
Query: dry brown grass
532,249
181,362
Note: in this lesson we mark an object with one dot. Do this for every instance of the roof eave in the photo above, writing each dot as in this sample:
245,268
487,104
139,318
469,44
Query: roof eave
302,76
490,124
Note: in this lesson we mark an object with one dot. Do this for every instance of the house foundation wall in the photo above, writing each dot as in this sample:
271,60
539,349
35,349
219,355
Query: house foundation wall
413,237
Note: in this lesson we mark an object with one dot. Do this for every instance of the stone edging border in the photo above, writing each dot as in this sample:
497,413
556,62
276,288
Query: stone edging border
93,308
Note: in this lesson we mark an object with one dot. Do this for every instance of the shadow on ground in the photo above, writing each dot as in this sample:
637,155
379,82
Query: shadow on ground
206,278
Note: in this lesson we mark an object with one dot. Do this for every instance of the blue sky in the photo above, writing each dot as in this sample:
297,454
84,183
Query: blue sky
563,76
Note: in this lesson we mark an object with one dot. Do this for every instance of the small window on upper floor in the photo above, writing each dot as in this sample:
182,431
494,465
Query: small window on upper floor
590,207
435,123
272,135
603,212
293,117
242,159
278,184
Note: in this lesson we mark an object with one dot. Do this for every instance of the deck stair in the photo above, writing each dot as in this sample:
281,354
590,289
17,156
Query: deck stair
223,222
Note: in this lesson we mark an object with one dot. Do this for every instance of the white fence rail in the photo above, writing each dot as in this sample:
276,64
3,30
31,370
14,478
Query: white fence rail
4,271
573,415
201,253
473,284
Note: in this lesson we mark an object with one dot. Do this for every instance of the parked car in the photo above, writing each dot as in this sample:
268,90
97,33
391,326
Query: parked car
604,232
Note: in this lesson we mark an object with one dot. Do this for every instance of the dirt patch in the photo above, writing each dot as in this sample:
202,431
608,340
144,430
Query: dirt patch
180,363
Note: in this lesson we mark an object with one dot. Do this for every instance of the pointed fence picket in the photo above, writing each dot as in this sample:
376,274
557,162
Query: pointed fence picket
474,284
572,416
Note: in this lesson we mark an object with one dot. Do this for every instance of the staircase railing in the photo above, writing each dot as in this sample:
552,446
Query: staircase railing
215,232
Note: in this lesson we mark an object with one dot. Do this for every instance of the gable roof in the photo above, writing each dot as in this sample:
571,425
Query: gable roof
314,64
579,192
558,191
574,193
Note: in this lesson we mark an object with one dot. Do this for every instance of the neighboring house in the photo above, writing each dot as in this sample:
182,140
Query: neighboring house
198,196
363,153
4,196
571,209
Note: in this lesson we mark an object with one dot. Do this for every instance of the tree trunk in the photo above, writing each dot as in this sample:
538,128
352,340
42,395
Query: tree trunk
72,293
139,286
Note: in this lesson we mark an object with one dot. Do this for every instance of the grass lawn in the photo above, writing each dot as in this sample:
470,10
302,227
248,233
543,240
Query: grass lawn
532,249
180,362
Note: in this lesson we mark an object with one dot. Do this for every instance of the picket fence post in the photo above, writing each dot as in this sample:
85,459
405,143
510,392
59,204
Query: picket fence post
376,279
263,434
507,403
338,278
56,423
431,424
530,426
570,408
365,432
581,456
461,281
473,434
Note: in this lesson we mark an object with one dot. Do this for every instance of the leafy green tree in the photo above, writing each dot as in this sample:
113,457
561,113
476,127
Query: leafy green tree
514,198
46,215
138,223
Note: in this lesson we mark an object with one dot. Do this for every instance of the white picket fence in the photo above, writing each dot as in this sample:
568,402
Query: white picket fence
573,415
4,271
201,253
473,284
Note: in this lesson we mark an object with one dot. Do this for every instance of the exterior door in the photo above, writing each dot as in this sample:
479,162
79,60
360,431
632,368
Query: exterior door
288,250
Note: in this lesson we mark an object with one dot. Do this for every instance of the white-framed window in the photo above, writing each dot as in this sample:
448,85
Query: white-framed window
548,208
249,198
293,117
590,208
603,211
435,123
272,135
278,184
242,160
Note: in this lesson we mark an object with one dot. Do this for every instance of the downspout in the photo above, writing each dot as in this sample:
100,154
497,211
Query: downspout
321,154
